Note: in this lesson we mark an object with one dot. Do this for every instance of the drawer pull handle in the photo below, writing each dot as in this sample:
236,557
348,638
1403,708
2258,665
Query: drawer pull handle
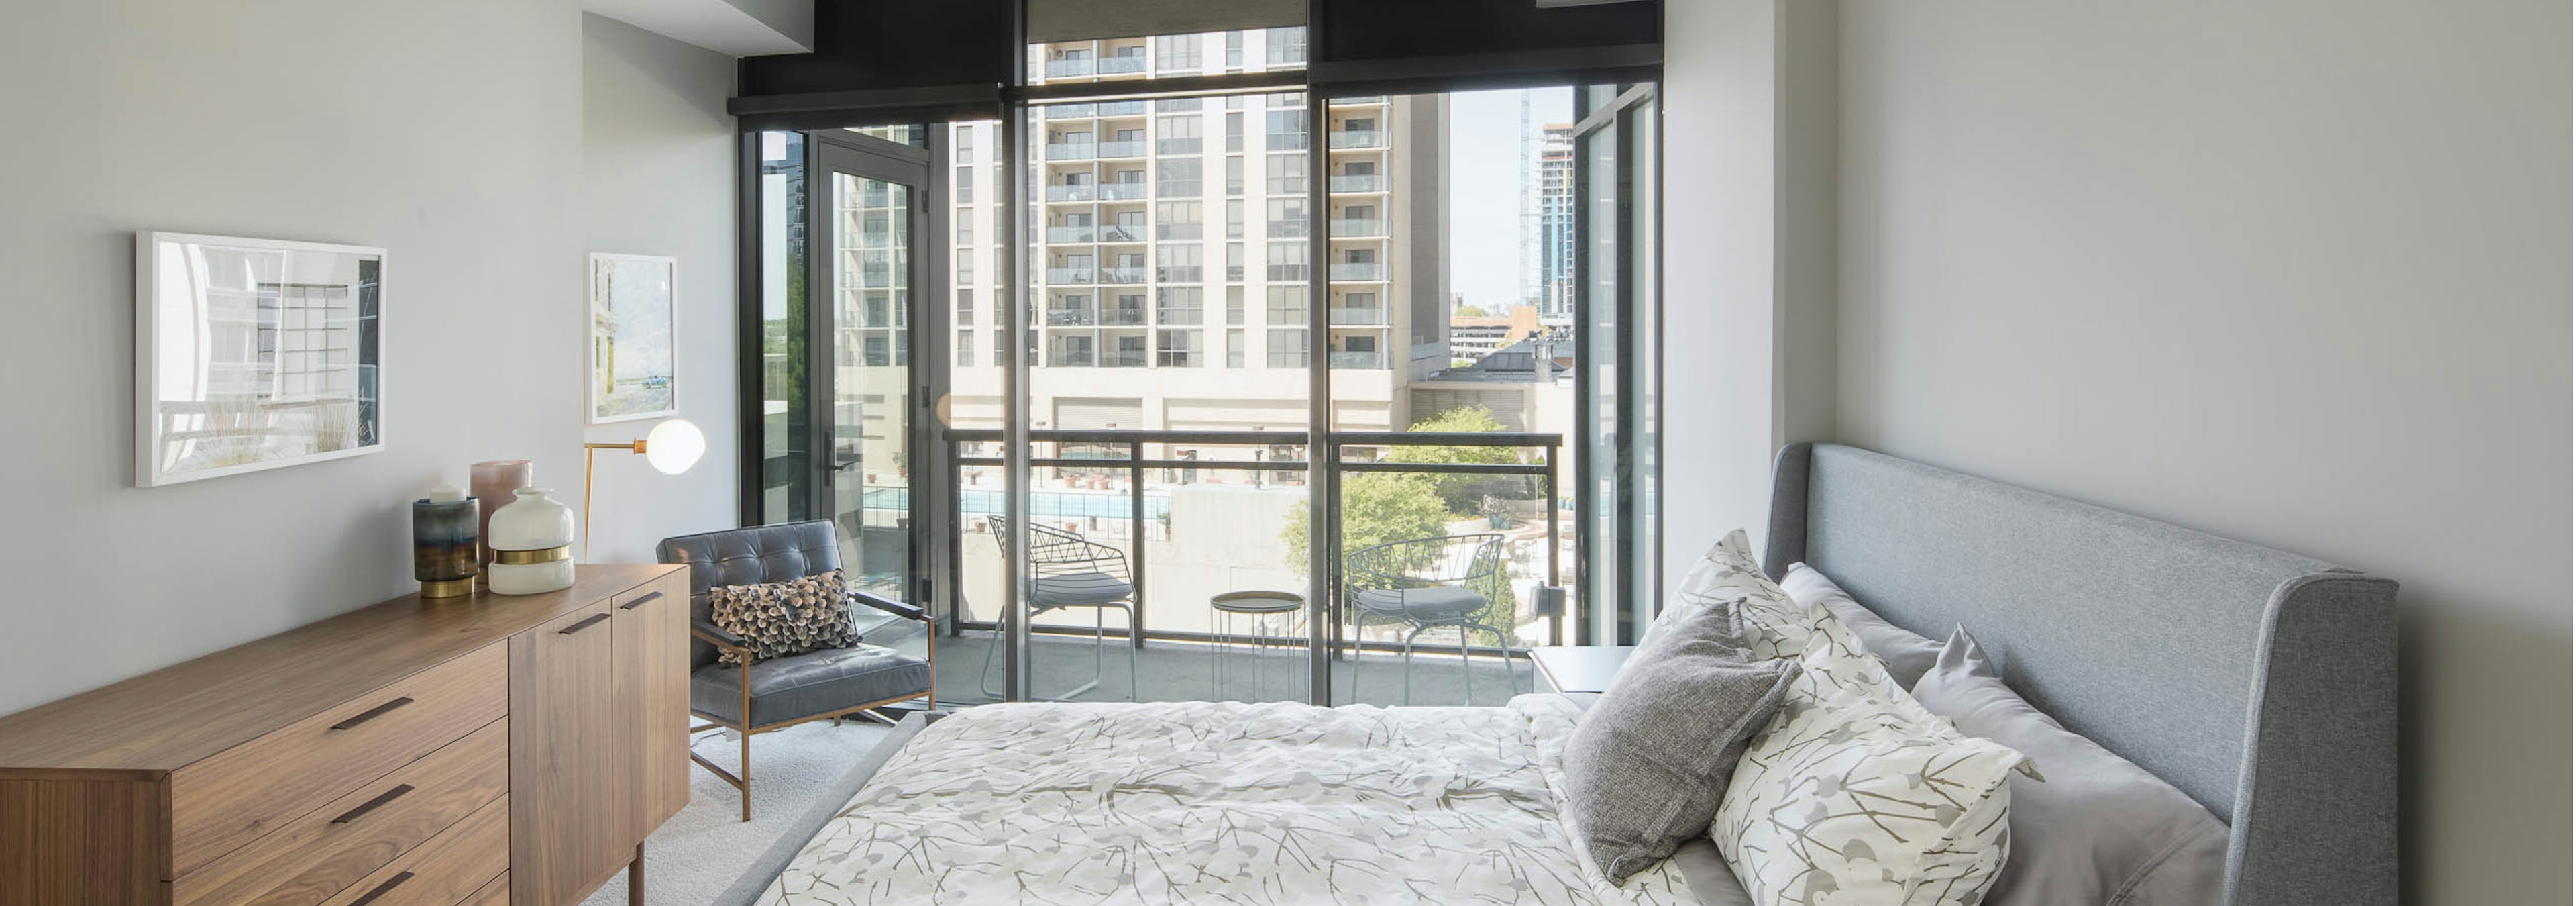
576,627
370,805
641,600
381,889
372,713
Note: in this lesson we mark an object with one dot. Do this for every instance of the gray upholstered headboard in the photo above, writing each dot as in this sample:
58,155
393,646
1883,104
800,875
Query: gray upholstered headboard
2263,684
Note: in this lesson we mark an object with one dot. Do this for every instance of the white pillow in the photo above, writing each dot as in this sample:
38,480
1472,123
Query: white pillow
1774,625
1857,796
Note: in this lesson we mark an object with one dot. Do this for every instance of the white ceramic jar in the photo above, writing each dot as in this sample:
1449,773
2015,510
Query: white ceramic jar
531,541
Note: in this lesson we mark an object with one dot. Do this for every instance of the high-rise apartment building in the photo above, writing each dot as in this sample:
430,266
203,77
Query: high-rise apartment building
1556,223
1170,248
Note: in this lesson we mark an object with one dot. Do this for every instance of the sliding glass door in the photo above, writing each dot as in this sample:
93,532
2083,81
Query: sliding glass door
1616,230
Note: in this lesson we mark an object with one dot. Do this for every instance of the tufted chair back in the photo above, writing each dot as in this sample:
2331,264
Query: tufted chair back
749,556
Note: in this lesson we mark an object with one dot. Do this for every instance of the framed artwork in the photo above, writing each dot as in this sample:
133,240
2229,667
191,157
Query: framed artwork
633,308
254,354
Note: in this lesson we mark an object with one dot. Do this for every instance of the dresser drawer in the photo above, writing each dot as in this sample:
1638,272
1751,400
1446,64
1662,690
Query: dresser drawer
451,867
330,848
224,802
496,893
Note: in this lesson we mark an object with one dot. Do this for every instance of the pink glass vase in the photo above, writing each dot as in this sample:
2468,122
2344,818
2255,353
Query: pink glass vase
493,483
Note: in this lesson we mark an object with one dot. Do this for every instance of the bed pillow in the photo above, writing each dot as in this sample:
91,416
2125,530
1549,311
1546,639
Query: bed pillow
782,618
1728,576
1646,765
1906,655
2101,830
1857,796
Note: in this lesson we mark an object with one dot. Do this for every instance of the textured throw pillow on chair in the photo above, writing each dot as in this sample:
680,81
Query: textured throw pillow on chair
783,618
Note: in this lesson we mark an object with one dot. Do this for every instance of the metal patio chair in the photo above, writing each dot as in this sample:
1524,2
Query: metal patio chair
1427,583
1071,571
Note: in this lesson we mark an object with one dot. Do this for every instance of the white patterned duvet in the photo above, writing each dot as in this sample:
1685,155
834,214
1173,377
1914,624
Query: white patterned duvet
1208,802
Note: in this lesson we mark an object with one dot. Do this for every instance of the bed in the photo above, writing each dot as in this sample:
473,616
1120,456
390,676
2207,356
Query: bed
2261,683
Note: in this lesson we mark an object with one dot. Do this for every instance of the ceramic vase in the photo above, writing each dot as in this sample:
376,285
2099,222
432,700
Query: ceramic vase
531,541
443,546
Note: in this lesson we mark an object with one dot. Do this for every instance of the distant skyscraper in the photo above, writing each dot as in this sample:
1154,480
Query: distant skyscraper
1556,222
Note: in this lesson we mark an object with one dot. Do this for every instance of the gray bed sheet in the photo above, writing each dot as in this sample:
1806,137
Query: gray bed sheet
1698,860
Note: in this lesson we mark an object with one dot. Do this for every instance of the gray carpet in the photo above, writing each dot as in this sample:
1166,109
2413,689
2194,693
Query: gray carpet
700,851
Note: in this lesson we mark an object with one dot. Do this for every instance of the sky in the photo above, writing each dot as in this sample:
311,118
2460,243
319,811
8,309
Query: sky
1485,207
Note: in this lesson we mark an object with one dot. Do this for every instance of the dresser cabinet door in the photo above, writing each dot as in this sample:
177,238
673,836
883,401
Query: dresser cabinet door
653,702
567,813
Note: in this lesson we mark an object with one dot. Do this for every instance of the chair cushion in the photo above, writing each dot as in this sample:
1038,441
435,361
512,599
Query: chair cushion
805,685
1080,589
1439,602
783,618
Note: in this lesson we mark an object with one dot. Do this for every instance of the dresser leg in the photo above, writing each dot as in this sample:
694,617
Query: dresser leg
635,878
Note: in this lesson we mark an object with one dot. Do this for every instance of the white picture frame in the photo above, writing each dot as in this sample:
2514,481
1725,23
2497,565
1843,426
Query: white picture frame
254,354
633,358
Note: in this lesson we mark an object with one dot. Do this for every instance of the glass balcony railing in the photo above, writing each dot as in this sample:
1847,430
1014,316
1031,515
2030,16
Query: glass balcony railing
1363,182
1122,191
1116,150
1122,317
1179,230
1178,145
1072,111
1121,65
1122,108
1122,275
1293,272
1070,276
1365,101
1071,193
1352,227
1359,138
1071,317
1059,69
1071,151
1180,274
1285,229
1069,234
1122,232
1356,359
1179,316
1361,271
1345,316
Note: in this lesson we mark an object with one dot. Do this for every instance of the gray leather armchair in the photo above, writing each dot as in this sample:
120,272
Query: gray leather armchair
784,691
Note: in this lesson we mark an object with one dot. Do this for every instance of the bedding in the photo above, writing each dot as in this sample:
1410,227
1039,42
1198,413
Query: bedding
1221,802
1728,576
1905,654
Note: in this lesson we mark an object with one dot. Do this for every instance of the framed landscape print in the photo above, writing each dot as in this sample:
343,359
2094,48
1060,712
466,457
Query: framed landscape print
632,310
254,354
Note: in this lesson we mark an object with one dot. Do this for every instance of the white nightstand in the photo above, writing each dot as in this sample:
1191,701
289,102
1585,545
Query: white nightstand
1587,668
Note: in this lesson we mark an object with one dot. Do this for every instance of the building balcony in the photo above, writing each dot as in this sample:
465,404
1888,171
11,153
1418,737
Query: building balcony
1289,272
1355,227
1356,359
1357,271
1072,150
1069,234
1348,138
1123,317
1071,193
1179,230
1179,316
1122,275
1072,111
1122,232
1181,274
1285,229
1122,108
1286,141
1179,146
1121,65
1364,182
1362,101
1075,276
1122,191
1181,189
1071,317
1065,69
1370,316
1117,150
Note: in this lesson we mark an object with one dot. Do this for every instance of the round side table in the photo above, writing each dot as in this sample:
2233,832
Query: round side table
1260,607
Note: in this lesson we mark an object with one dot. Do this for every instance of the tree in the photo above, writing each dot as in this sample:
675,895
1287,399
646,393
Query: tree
1468,311
1464,494
1377,507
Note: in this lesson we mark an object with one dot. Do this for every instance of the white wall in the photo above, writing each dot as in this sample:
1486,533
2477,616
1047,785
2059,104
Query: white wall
1748,277
657,177
450,133
2294,272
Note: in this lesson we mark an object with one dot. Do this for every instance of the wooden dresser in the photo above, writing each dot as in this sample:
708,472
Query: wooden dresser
479,750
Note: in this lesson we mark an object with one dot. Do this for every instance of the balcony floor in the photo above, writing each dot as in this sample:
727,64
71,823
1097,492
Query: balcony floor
1190,671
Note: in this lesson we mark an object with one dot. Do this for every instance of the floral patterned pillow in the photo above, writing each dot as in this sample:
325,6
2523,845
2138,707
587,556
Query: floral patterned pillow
783,618
1858,796
1773,625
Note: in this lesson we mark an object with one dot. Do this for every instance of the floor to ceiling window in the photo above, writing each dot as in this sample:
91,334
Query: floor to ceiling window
1269,395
